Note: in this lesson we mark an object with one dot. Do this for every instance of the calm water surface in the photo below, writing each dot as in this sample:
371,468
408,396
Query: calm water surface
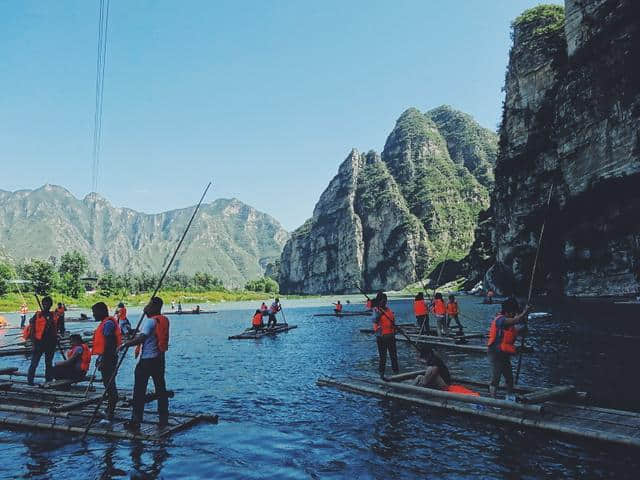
276,423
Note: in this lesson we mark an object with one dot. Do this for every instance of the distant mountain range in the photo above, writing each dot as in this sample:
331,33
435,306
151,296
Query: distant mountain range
229,239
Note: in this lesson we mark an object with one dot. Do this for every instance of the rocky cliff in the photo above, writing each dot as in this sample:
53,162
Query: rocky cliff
385,219
571,123
229,239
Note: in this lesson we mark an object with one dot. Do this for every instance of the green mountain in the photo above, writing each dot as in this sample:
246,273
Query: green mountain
228,239
385,220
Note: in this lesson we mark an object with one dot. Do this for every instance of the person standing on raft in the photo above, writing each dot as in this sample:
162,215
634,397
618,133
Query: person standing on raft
421,312
76,365
41,331
384,326
439,309
503,333
453,312
23,314
273,310
338,307
151,344
123,321
106,340
60,317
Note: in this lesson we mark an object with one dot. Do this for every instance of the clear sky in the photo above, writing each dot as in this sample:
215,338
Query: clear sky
266,98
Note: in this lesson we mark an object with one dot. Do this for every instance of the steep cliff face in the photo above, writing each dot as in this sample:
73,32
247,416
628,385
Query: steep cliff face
383,220
229,239
571,122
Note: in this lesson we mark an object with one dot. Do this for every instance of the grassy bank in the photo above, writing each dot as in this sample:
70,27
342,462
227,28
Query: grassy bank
12,301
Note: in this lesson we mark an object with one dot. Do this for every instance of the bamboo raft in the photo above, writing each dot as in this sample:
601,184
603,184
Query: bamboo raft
364,313
25,347
65,406
189,312
539,408
250,333
455,342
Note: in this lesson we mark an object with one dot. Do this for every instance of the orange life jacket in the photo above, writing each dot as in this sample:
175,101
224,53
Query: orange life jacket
256,320
60,311
369,304
98,336
85,360
338,307
122,313
452,308
506,336
462,390
40,325
387,322
161,332
438,307
420,308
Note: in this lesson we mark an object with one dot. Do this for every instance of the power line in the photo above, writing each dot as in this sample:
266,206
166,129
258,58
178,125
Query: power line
103,26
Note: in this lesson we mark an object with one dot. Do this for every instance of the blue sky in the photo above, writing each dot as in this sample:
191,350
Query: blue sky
266,98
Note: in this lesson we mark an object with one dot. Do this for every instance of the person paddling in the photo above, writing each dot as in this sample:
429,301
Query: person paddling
60,317
76,365
338,307
422,313
152,342
41,331
439,309
453,312
273,310
384,327
106,340
503,332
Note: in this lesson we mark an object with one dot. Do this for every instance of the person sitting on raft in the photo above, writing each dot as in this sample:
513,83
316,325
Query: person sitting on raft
421,312
439,309
452,313
273,310
437,374
256,321
338,308
489,298
384,326
503,333
76,365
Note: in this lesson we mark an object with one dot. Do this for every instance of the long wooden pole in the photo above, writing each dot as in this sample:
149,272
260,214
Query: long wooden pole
164,274
533,274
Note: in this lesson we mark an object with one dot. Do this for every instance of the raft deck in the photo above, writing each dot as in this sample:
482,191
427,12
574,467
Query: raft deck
538,408
344,314
65,406
189,312
250,334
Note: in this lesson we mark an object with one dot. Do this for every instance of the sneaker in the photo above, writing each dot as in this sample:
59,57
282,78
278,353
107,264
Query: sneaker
104,423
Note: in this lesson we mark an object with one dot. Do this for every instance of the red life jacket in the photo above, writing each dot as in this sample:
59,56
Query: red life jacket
462,390
420,308
122,313
256,320
85,360
60,311
338,307
98,336
504,337
40,325
369,304
438,307
452,308
387,322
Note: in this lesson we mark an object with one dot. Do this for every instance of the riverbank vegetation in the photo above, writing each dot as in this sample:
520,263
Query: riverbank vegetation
68,281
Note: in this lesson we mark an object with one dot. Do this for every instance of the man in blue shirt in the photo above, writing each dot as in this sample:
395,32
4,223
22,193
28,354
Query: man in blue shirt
106,341
152,342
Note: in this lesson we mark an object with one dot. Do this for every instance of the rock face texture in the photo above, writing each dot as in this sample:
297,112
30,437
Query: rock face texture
228,239
384,219
571,123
